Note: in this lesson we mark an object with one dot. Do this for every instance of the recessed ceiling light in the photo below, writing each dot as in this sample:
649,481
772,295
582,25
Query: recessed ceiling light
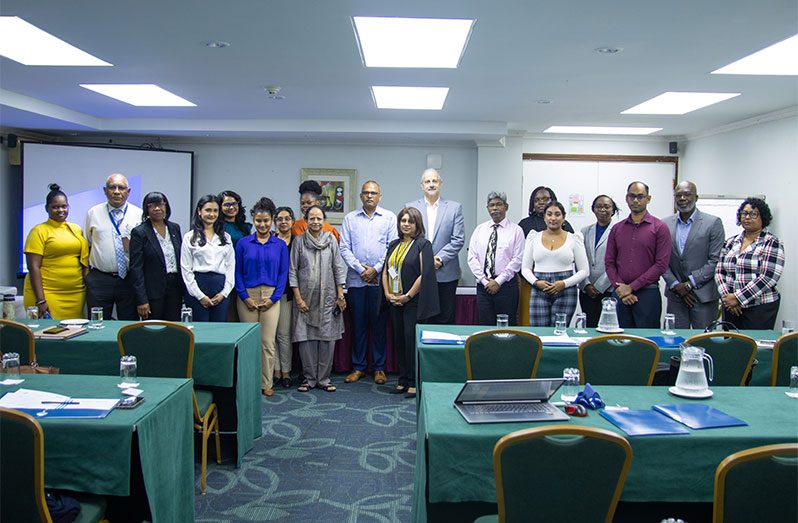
678,102
584,129
27,44
141,95
778,59
608,50
429,98
217,44
412,42
543,102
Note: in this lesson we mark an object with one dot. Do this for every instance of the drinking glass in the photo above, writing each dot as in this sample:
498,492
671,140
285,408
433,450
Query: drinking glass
787,326
559,323
669,324
502,321
96,318
570,388
32,314
186,316
11,365
127,371
793,392
580,323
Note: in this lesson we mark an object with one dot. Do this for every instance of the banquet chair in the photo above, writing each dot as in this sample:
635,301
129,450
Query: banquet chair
732,355
502,354
165,349
528,466
617,359
758,484
785,355
17,337
22,473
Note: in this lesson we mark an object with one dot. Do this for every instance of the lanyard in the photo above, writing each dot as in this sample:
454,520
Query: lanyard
116,225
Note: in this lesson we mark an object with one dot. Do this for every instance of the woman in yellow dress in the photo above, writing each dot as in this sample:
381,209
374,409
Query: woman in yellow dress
58,259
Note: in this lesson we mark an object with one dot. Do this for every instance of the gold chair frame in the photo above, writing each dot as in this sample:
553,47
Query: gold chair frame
774,368
533,338
28,332
726,334
617,337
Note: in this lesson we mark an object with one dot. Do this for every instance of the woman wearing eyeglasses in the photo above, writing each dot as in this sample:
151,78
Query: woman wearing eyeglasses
284,220
155,263
749,269
235,216
597,285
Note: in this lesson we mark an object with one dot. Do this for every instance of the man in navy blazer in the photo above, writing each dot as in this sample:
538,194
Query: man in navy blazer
689,281
445,226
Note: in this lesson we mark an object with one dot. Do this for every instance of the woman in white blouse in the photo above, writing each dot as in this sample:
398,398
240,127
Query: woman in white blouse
548,265
207,262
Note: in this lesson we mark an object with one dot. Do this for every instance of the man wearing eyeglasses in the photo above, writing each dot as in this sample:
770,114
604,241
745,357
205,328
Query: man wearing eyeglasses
690,279
365,235
638,253
107,229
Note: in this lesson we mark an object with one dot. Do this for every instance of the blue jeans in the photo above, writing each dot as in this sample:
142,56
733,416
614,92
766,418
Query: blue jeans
368,315
211,283
645,313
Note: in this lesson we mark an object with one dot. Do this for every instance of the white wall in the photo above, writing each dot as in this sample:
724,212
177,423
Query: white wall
760,159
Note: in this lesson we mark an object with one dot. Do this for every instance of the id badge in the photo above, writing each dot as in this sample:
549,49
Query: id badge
395,285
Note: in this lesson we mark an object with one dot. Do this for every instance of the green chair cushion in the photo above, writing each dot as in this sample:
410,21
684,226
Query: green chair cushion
492,518
204,400
92,508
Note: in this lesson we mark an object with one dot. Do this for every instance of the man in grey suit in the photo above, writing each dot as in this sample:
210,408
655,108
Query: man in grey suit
689,281
445,226
597,285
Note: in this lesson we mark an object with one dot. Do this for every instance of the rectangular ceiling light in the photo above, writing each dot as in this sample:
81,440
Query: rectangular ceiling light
412,42
29,45
141,95
583,129
678,102
430,98
778,59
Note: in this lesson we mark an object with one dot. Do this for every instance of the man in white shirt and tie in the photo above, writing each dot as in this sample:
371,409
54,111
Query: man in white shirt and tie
443,221
107,229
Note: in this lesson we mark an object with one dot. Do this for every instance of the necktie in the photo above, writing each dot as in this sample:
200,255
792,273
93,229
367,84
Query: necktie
119,249
490,257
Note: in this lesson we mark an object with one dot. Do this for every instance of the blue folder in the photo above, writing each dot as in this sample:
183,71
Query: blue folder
699,416
67,413
667,342
643,422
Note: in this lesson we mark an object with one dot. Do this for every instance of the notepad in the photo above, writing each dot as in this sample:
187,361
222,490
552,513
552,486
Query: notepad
699,416
442,338
50,405
643,422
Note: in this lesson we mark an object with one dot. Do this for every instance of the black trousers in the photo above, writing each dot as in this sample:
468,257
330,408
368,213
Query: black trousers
503,302
592,307
105,290
757,317
167,307
404,321
447,299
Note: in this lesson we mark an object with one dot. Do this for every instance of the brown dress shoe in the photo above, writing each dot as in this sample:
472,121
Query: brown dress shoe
267,392
380,378
354,376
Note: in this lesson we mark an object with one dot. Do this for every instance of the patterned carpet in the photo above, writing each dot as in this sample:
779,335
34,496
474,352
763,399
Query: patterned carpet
346,456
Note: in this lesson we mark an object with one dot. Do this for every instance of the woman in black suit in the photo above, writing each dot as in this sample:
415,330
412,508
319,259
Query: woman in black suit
155,261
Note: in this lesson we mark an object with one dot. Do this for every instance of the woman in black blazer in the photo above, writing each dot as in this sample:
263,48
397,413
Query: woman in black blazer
155,261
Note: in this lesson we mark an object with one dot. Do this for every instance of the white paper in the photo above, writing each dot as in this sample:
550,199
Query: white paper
132,392
9,381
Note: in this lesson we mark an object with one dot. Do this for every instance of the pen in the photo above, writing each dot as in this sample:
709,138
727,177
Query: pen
60,403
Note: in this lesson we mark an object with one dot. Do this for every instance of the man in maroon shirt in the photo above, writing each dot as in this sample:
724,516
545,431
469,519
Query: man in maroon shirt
638,253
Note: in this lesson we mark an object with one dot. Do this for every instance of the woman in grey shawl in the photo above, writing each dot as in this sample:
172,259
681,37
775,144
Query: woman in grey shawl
317,274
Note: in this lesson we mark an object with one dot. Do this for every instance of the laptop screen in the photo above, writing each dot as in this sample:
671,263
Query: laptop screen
509,390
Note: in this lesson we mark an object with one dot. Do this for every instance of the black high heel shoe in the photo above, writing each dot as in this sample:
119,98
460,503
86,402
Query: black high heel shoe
399,389
286,382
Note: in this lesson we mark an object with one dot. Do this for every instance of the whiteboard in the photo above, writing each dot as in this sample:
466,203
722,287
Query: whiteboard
724,207
576,183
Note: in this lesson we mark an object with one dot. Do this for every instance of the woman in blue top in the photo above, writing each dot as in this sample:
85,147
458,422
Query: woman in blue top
261,271
234,217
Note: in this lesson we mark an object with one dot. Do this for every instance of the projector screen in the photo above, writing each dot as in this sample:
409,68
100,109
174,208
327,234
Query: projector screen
81,172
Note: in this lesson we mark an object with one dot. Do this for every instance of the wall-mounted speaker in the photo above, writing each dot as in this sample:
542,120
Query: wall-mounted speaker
673,147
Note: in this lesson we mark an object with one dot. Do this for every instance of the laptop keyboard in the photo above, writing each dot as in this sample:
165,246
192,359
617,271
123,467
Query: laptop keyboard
507,407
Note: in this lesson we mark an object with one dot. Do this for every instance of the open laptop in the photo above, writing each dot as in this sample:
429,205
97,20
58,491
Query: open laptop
503,401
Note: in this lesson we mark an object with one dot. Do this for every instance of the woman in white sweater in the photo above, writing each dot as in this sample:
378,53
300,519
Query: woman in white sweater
549,259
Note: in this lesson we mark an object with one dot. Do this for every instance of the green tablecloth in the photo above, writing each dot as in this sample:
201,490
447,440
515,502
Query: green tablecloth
226,355
446,363
454,459
94,455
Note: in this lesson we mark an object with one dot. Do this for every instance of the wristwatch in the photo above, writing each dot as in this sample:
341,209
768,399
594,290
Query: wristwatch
689,287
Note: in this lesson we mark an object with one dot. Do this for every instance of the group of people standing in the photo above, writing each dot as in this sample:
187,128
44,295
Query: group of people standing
289,273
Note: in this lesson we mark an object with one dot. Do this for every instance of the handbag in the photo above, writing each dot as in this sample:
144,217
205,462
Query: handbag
35,368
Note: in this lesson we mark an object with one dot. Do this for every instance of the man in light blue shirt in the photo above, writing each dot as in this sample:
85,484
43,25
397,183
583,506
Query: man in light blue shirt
365,235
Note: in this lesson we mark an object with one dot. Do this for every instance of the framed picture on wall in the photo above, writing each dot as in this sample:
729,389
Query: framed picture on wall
338,190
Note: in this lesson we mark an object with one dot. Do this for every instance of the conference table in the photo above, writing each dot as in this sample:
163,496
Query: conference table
446,363
227,361
110,456
454,461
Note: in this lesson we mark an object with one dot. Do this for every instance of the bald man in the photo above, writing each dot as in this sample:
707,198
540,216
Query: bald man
443,221
107,229
690,279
